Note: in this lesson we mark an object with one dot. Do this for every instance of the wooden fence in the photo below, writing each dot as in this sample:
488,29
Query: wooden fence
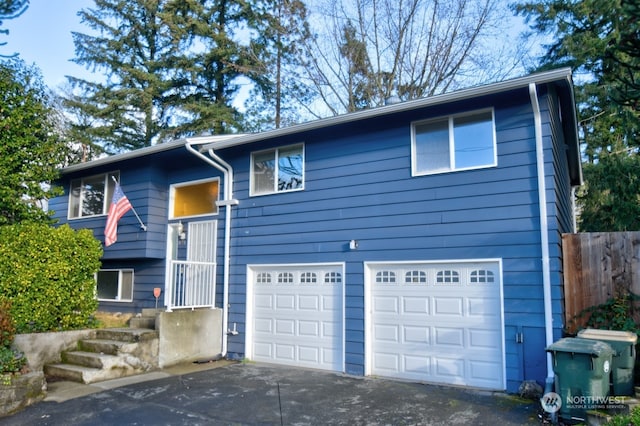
597,267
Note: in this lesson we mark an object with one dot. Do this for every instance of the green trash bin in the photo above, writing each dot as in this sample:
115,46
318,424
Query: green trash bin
582,369
624,360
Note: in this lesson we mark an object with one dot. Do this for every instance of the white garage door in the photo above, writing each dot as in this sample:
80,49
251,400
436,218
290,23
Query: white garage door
436,322
298,315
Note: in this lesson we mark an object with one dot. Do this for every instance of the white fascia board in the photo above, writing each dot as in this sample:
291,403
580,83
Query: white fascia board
166,146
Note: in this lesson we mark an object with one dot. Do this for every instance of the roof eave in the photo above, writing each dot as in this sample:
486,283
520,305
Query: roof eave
562,74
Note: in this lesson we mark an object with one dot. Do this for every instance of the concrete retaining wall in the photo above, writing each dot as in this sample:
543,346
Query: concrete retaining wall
189,335
22,391
45,348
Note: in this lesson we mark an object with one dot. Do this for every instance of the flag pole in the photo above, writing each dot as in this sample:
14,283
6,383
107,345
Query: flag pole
142,225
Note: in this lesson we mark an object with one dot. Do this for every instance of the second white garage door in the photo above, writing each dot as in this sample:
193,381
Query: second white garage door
296,315
436,322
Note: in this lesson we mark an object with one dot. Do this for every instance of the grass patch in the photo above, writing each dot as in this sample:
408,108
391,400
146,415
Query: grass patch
112,319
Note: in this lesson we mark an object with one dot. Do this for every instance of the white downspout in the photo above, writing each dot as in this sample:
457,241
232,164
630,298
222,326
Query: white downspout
227,171
544,231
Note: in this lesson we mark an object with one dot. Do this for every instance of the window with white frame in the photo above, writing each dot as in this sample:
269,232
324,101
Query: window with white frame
115,284
91,196
196,198
458,142
277,170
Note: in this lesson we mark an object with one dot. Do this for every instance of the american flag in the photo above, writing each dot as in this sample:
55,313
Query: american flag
119,206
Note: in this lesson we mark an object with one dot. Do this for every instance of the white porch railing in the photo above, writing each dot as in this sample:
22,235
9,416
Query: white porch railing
191,285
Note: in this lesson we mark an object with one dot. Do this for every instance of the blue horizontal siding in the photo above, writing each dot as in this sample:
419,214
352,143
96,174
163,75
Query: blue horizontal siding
358,185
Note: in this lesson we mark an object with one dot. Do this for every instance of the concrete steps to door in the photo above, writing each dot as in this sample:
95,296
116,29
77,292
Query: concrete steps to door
146,319
114,353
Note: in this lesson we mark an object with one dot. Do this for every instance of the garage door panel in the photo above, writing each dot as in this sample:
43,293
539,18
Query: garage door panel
264,301
482,374
417,365
297,315
437,322
309,328
285,352
330,304
489,339
387,362
452,337
414,334
386,304
285,301
415,305
308,303
478,307
450,369
263,350
385,332
331,329
263,325
448,306
309,354
285,327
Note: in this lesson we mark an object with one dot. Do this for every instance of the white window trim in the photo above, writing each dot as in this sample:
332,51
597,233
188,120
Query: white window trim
452,158
119,299
107,198
275,189
172,197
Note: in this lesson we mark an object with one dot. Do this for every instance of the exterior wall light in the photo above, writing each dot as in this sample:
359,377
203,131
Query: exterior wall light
353,245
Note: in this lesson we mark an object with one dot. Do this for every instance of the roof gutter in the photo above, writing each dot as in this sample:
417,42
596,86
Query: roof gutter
228,201
544,230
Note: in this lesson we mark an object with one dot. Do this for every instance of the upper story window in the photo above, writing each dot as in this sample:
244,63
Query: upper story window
92,195
453,143
277,170
197,198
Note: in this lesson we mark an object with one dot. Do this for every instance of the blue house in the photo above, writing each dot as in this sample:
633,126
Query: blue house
419,240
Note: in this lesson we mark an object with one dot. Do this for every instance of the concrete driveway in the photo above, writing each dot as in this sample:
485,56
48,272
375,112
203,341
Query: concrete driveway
258,394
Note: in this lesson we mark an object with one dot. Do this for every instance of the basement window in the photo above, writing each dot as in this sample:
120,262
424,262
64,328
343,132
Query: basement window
115,285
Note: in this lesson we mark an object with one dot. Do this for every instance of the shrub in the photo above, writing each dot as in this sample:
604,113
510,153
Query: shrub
7,328
631,419
48,274
11,361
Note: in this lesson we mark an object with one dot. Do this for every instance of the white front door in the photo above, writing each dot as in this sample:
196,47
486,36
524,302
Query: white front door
436,322
295,315
191,264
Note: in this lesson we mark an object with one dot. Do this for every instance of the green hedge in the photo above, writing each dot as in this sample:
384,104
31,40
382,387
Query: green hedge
48,276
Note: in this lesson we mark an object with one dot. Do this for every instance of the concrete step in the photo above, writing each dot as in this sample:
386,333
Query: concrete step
72,373
126,334
88,359
86,375
151,312
143,322
111,347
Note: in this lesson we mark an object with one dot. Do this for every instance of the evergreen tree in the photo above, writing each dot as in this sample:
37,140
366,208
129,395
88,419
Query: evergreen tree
212,59
172,68
598,39
10,9
132,46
